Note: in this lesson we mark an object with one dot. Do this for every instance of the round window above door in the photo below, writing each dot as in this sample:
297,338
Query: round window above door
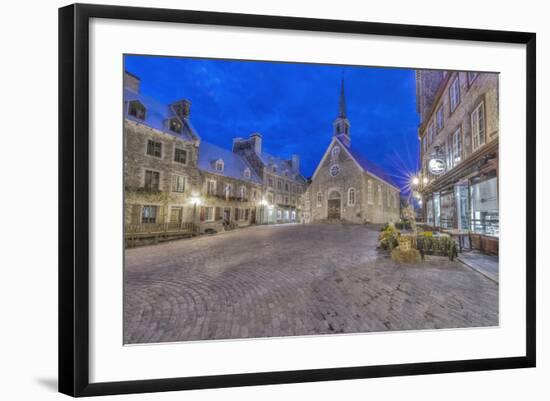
334,170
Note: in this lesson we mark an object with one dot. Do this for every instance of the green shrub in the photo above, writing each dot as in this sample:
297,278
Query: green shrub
438,246
388,238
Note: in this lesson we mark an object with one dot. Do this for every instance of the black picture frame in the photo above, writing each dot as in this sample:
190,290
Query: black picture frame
74,201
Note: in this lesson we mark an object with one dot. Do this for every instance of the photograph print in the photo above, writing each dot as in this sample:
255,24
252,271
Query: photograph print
274,199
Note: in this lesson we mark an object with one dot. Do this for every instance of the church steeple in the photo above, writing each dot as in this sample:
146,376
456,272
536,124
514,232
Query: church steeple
341,124
342,101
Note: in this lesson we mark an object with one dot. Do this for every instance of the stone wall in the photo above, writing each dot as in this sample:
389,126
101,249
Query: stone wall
136,162
232,202
350,175
484,89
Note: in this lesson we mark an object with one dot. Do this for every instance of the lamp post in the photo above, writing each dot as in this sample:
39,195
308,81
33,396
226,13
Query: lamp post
195,200
262,204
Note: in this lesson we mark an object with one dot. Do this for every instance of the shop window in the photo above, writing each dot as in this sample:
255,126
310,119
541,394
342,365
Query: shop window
484,204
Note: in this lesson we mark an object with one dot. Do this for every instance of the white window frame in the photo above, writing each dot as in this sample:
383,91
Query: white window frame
219,162
475,124
213,217
227,190
176,148
147,148
431,132
247,172
439,119
143,208
370,193
457,146
242,192
208,182
454,94
176,180
351,202
145,178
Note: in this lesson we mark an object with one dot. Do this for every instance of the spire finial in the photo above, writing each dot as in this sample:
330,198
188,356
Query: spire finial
342,100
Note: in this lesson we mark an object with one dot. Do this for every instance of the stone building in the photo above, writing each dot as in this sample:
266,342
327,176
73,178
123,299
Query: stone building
160,159
458,136
346,185
176,183
283,184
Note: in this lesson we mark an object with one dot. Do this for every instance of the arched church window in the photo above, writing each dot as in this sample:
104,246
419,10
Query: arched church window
319,199
335,152
351,196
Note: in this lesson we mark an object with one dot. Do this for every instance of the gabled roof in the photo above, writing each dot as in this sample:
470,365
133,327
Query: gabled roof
157,114
234,165
361,161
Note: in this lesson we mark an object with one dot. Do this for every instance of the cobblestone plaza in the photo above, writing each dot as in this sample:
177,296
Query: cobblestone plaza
290,280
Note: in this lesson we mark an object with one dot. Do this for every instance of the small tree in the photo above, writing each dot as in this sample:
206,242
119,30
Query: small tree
410,215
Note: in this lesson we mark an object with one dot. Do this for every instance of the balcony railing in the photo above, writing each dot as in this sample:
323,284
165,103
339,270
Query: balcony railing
158,228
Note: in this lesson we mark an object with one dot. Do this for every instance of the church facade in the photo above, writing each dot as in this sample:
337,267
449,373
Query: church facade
347,186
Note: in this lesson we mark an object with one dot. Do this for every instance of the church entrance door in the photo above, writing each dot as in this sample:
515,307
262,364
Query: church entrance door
333,205
334,208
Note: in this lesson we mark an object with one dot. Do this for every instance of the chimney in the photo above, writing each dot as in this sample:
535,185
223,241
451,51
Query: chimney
182,108
256,140
295,163
131,82
237,142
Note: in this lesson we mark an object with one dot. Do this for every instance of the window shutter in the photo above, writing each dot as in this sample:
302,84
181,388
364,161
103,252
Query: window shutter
135,214
202,213
160,214
218,214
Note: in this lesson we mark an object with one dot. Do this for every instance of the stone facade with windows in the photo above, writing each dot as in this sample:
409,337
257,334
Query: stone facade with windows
283,184
176,181
459,170
347,186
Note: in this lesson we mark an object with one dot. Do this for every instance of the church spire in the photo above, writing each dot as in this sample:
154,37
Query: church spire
341,124
342,101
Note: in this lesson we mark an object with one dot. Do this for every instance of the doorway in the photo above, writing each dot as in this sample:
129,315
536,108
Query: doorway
333,205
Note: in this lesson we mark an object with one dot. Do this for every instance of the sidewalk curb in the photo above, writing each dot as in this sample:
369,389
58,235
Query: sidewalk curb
480,271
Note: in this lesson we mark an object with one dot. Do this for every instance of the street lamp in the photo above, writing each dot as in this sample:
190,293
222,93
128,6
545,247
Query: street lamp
195,200
262,204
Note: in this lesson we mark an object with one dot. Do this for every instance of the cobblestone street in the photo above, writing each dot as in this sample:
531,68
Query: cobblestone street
294,280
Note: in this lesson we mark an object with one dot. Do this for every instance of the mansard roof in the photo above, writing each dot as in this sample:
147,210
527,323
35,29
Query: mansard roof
281,165
157,115
362,161
234,165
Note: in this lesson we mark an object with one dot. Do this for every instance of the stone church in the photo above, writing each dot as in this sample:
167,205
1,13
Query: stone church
346,185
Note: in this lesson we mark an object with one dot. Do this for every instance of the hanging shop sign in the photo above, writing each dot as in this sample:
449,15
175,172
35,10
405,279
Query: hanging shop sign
436,166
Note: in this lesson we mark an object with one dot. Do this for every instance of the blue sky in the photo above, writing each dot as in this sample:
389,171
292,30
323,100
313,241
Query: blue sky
292,105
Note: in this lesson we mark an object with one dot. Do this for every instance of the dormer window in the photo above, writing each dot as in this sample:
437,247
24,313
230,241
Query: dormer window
247,172
274,168
286,173
219,165
136,109
175,125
